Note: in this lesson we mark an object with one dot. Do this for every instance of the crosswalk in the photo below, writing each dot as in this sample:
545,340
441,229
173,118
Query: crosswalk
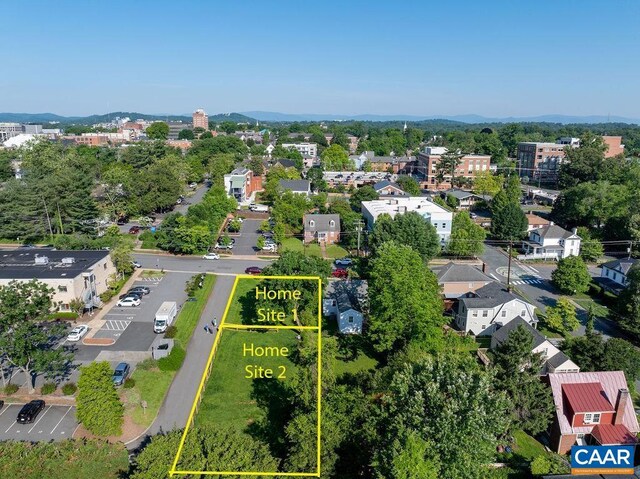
115,325
528,281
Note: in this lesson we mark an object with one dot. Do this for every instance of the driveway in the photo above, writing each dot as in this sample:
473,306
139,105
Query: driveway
54,423
248,237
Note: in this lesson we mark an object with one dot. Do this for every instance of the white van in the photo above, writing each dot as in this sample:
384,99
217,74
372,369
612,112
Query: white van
259,208
165,316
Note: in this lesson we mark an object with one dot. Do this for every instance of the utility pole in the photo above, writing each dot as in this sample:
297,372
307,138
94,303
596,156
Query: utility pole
46,210
359,225
509,268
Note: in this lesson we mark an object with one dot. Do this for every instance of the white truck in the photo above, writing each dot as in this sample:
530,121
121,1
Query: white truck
259,208
165,316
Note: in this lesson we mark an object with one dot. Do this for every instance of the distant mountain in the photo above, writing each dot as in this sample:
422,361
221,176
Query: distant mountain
234,117
92,119
471,118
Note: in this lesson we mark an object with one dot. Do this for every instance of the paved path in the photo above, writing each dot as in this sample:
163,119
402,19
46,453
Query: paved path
174,412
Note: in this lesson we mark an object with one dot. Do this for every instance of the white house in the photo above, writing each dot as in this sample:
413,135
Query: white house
308,149
347,301
483,311
551,242
435,214
298,187
613,276
555,361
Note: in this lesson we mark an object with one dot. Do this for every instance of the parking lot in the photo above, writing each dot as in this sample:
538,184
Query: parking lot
247,238
53,423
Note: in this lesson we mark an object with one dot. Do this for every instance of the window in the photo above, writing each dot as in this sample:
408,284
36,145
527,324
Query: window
523,313
484,326
474,313
332,223
485,313
104,266
312,223
62,289
592,418
504,313
351,319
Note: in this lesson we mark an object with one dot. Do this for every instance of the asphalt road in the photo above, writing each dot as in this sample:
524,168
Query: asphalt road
54,423
195,264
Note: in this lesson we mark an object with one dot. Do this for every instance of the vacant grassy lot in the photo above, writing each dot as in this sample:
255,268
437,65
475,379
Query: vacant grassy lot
294,244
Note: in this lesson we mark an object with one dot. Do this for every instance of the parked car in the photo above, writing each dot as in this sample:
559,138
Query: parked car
129,301
134,230
131,294
193,185
270,247
136,264
139,289
121,373
267,234
30,411
473,216
253,270
211,255
340,273
344,262
77,333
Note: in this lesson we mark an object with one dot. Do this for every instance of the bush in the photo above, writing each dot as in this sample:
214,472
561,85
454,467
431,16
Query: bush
107,295
65,315
69,389
48,388
129,383
10,389
147,364
174,360
171,332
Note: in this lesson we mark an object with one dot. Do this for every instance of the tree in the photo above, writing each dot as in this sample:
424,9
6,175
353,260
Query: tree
508,221
512,189
122,258
562,317
448,403
260,242
364,193
591,204
582,164
186,134
98,406
591,249
467,238
408,307
571,276
409,229
517,370
158,130
315,176
256,166
336,158
629,301
448,164
409,185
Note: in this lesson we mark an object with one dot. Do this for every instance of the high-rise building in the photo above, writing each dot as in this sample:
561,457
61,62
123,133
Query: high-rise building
200,119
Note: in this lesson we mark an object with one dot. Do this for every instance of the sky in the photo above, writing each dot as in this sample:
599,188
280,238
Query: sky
495,58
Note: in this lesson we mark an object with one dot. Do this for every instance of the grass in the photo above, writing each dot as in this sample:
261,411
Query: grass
526,446
230,398
353,356
586,302
294,244
362,362
334,251
152,384
150,273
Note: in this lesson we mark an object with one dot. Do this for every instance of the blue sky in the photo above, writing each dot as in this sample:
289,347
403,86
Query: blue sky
493,58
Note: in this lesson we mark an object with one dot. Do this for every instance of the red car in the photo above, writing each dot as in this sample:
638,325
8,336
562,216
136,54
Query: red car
253,270
340,273
134,230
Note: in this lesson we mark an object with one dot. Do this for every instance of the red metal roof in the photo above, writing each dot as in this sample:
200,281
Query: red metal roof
587,397
609,434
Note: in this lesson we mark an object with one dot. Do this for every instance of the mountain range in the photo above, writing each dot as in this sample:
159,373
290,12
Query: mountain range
269,116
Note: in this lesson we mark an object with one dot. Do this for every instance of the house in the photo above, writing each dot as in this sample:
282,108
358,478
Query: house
285,163
299,187
591,408
73,274
613,276
466,199
459,279
241,184
435,214
310,149
488,308
555,361
359,160
322,228
347,301
388,188
551,242
393,164
535,222
353,143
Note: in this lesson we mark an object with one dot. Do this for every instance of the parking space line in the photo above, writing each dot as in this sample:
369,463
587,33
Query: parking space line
43,414
5,409
60,420
14,423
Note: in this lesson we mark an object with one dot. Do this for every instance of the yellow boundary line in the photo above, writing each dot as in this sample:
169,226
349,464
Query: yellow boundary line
190,420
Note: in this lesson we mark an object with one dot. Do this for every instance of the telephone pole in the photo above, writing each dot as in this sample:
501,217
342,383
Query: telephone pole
359,225
509,268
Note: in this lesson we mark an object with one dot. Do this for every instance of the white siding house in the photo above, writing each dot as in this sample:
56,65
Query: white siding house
346,300
551,242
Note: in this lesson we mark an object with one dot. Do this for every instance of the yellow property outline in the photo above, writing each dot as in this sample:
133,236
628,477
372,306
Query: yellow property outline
173,471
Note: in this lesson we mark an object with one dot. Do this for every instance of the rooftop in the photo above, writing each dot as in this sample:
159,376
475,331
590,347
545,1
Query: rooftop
502,334
489,296
350,294
295,185
587,397
622,265
460,273
322,222
553,231
21,263
613,434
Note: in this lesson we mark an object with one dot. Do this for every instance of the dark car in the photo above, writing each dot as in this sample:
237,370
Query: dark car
135,294
139,289
30,411
253,270
121,373
134,230
340,273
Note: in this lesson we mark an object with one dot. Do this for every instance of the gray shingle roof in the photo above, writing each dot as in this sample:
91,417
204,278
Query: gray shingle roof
295,185
622,265
457,273
285,163
350,294
558,359
322,222
553,231
489,296
384,183
502,334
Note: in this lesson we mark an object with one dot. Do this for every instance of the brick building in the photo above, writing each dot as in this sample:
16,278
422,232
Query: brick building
322,228
200,119
540,161
426,168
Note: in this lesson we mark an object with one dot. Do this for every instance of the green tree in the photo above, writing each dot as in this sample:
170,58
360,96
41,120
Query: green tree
629,302
315,176
508,221
98,406
582,164
364,193
591,204
409,185
517,370
260,242
409,229
486,183
591,249
467,238
416,459
448,164
122,258
571,276
562,317
336,158
185,134
256,166
512,188
408,307
158,130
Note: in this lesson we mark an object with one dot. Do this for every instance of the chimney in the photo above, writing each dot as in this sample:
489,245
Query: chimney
574,231
550,223
621,404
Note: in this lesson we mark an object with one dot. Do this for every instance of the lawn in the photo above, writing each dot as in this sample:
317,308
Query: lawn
232,399
526,446
362,362
151,385
334,251
586,302
353,355
294,244
150,273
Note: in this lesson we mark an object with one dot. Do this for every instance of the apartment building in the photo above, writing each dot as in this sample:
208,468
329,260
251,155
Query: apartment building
305,149
426,167
200,119
241,184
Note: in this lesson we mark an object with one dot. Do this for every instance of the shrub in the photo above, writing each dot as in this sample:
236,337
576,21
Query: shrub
171,332
107,295
65,315
174,360
10,389
129,383
48,388
69,389
147,364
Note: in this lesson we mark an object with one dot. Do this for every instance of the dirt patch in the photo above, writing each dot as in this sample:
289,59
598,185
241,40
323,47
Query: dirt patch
130,430
98,341
23,396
